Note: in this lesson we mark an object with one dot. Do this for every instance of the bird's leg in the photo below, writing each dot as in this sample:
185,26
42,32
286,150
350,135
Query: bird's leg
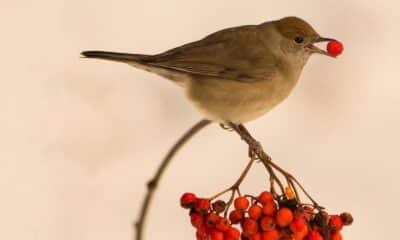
254,145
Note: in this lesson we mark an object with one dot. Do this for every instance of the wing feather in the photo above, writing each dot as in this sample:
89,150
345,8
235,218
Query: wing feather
235,53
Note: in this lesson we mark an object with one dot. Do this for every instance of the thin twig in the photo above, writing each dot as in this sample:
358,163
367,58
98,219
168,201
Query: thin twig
235,187
243,174
152,184
256,147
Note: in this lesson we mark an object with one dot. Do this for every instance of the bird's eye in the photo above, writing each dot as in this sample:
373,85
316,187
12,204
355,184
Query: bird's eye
299,40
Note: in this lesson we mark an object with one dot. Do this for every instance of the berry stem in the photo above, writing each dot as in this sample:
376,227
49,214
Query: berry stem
235,187
256,148
243,174
273,178
152,184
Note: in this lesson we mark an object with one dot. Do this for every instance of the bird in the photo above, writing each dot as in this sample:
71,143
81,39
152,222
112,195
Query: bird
237,74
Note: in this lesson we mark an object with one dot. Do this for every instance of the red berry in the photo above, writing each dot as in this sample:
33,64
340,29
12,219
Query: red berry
255,212
315,235
267,223
269,208
336,236
202,205
188,200
256,236
300,235
334,48
211,219
270,235
196,219
336,223
297,225
216,235
250,226
287,238
235,216
222,224
265,197
232,234
202,233
241,203
219,206
284,217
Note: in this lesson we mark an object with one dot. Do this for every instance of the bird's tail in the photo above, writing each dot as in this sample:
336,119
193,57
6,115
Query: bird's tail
115,56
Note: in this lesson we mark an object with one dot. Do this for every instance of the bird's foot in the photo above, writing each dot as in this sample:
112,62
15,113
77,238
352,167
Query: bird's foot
226,127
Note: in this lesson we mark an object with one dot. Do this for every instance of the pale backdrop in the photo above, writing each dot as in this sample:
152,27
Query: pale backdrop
81,137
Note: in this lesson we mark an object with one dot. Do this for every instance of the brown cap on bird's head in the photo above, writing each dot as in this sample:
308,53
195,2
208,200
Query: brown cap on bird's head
293,26
298,30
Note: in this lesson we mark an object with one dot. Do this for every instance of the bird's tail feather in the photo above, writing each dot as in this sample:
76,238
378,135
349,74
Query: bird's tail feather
114,56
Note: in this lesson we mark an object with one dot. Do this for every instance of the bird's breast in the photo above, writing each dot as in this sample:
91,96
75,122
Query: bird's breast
224,100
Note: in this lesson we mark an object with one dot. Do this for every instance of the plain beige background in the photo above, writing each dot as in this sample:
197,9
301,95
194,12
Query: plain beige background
79,138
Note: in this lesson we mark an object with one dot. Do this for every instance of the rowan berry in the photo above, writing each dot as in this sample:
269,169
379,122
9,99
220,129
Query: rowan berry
297,225
188,200
270,235
232,234
241,203
196,219
250,226
267,223
284,217
336,223
315,235
211,219
255,211
202,233
235,216
269,208
222,224
336,236
301,234
216,235
202,205
219,206
286,238
334,48
265,197
256,236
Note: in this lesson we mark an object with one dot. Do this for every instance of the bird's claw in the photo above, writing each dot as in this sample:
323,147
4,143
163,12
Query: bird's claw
226,127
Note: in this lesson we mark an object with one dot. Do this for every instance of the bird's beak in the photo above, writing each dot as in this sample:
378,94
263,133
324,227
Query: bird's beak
314,49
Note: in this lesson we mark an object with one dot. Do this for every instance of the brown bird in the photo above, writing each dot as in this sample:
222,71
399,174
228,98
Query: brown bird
237,74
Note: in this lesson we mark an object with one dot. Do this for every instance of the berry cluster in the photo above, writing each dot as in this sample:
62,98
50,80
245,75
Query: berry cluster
262,218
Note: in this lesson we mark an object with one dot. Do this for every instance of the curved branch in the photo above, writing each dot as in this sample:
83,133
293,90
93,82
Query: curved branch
152,184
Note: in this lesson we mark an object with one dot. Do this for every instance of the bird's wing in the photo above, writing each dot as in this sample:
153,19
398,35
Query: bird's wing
235,53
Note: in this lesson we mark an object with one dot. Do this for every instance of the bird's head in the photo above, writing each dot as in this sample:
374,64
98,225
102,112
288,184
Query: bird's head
297,39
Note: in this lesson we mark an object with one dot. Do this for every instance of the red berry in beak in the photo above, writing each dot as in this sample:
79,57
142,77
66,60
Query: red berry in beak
334,48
